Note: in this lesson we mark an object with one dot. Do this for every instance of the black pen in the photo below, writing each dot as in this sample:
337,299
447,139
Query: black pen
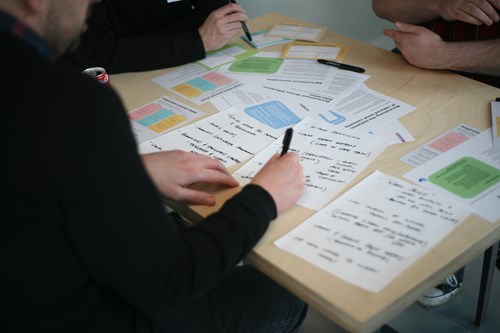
286,141
341,65
244,26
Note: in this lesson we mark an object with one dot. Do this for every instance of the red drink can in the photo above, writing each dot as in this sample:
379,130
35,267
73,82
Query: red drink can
98,73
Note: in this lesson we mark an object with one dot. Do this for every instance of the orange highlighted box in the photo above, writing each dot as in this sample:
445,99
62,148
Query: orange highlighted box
187,90
167,123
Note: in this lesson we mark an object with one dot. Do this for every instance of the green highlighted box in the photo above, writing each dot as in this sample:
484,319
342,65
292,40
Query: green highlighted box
467,177
260,65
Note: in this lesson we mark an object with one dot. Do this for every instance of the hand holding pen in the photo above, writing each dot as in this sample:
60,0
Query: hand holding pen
283,176
221,26
244,26
287,139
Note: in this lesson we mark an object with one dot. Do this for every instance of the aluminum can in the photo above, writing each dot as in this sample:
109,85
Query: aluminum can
98,73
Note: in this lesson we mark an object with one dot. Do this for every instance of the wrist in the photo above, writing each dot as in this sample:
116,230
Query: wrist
204,39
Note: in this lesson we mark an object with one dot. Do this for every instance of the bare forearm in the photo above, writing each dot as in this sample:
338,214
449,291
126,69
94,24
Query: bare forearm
409,11
475,12
482,57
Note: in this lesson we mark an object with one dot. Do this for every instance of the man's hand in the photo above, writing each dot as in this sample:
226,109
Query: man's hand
221,25
173,171
283,177
420,46
471,11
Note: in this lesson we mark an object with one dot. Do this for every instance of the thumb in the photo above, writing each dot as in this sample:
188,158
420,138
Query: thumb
408,28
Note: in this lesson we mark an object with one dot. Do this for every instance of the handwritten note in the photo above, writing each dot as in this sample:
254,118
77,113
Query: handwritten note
331,156
373,232
230,136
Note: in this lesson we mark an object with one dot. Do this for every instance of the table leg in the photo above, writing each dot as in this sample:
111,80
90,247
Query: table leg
489,260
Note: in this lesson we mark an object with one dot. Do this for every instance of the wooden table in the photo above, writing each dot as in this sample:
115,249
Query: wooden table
443,100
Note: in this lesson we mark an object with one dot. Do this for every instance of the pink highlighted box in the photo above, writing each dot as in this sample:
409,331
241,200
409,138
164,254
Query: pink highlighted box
144,111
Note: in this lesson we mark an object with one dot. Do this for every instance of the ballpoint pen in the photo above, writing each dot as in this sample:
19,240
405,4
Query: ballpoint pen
341,65
286,141
244,26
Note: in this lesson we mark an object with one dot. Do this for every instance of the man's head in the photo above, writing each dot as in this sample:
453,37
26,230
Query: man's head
58,22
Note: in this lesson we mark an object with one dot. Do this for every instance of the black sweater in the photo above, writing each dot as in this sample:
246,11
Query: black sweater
85,243
140,35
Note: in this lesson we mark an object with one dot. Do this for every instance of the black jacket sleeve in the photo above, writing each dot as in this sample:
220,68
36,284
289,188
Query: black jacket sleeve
120,229
130,35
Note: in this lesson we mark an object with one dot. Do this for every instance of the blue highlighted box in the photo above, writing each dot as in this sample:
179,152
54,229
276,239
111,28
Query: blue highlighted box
155,117
338,118
202,84
274,114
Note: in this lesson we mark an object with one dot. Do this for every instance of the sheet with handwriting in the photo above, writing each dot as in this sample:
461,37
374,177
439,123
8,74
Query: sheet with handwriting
331,156
374,231
230,136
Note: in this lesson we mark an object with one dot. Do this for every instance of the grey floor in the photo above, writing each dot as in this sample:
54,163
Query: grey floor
354,18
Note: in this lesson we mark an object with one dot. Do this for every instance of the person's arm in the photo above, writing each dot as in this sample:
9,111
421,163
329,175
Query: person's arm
121,42
174,171
222,25
120,231
421,11
423,48
105,43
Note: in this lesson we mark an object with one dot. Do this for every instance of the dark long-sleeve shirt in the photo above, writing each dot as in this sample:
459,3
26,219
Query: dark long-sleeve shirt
85,242
140,35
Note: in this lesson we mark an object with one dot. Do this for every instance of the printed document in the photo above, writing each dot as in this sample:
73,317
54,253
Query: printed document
195,83
159,117
468,173
230,136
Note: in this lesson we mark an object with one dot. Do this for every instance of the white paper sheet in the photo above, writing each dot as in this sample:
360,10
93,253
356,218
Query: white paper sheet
393,131
331,158
365,109
439,145
372,111
195,83
160,116
229,53
260,39
230,136
468,173
300,74
495,120
374,231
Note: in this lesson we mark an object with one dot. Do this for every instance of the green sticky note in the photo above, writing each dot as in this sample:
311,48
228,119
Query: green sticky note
466,177
261,65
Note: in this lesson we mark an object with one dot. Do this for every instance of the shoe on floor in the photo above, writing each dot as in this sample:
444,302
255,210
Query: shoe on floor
442,293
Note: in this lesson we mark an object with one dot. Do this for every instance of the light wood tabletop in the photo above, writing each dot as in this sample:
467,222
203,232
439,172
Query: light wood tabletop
443,100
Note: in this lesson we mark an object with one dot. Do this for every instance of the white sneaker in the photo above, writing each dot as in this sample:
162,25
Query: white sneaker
442,293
